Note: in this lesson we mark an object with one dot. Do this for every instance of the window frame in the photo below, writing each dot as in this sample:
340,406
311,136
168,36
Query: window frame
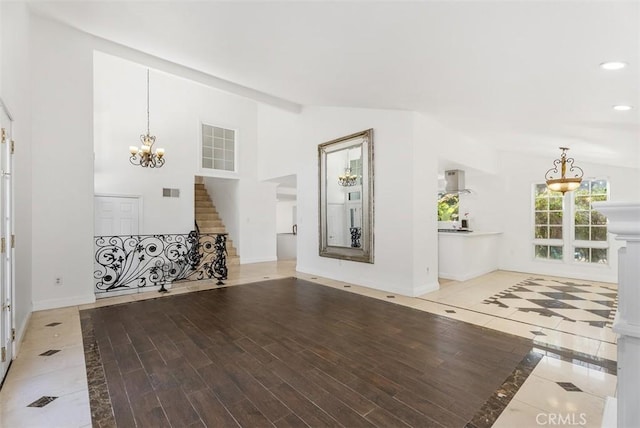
213,172
569,243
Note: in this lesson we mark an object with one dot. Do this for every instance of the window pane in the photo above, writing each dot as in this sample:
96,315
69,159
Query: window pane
599,187
584,188
598,198
555,253
582,217
541,251
207,152
218,132
228,165
555,217
597,218
448,207
218,164
207,163
583,203
218,143
599,255
555,204
582,233
581,255
542,217
207,130
542,232
541,190
598,233
229,134
542,204
207,141
555,232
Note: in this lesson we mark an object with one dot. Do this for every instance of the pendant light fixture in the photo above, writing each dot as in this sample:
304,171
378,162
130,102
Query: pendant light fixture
564,176
144,156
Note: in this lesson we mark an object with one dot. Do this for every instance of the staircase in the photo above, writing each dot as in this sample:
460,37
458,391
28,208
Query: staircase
210,222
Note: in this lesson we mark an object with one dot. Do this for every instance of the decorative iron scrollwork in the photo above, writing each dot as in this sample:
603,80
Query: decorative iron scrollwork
130,262
356,233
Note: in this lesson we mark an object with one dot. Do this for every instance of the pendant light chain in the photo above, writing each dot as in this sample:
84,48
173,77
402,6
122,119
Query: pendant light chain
145,156
147,101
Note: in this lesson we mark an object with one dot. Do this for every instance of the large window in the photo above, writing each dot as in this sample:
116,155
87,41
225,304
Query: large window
448,205
566,228
218,148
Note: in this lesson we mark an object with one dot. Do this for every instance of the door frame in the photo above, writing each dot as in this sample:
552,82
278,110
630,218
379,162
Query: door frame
7,259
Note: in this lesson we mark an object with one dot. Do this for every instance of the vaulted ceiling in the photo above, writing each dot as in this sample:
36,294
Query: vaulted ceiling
521,76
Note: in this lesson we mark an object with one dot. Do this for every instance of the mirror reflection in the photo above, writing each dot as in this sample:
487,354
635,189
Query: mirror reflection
346,197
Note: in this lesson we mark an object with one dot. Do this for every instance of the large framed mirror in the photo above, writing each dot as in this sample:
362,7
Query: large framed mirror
346,197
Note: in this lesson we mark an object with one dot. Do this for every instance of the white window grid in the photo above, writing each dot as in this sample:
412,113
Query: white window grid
572,248
218,148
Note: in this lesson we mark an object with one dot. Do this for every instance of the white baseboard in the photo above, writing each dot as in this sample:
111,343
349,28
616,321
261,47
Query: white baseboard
20,332
427,288
244,261
464,276
331,275
42,305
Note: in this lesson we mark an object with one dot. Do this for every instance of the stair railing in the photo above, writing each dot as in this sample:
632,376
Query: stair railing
142,261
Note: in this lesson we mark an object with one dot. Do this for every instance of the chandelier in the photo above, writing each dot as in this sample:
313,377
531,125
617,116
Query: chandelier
557,179
144,155
347,179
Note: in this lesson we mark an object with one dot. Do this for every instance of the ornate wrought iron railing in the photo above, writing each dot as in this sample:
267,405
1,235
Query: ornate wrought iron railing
138,261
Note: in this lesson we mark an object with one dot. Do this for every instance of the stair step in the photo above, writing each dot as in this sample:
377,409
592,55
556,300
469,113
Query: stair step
206,210
209,220
212,229
209,223
207,217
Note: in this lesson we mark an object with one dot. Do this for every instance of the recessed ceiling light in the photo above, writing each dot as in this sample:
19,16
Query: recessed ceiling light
613,65
622,108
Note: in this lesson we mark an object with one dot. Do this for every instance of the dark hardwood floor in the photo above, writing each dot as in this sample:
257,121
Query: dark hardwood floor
290,353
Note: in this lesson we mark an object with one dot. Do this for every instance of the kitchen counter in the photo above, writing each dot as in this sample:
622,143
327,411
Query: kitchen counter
463,255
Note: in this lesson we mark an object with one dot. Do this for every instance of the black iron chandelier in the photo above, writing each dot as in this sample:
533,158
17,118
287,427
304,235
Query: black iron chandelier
144,155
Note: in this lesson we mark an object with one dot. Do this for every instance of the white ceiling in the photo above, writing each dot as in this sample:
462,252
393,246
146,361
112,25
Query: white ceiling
519,75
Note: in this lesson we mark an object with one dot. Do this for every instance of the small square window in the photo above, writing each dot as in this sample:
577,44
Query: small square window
218,148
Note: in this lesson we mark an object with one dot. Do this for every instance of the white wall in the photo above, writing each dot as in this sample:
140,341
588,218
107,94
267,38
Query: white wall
63,161
178,107
224,194
280,142
284,216
15,89
520,173
62,165
297,153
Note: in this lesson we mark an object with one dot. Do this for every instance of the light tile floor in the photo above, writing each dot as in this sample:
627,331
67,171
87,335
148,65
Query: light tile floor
540,401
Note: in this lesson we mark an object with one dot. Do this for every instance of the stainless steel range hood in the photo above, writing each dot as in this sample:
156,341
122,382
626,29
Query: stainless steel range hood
454,179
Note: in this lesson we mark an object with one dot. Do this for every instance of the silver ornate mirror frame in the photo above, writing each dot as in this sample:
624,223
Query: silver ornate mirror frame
359,244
